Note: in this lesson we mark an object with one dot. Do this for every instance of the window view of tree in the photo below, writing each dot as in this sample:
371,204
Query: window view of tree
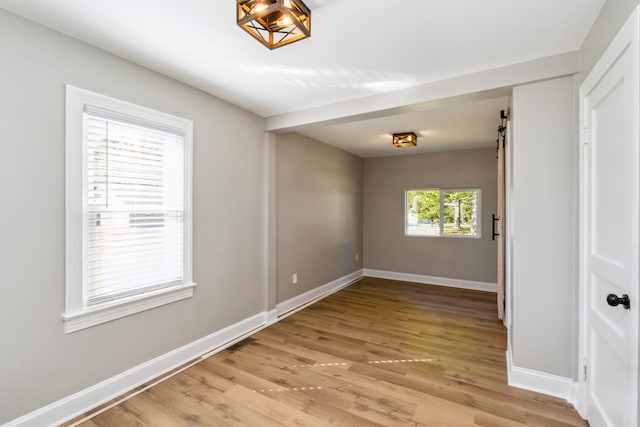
423,212
460,212
437,212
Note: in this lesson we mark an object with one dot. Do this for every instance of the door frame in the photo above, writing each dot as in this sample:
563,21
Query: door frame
627,38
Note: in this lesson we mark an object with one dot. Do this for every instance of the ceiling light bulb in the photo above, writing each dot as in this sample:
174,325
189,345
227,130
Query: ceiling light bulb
285,21
287,4
259,8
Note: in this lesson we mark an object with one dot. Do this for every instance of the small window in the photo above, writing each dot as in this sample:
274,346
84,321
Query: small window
128,209
436,212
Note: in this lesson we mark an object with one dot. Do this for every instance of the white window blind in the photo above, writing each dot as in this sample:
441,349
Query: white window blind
134,225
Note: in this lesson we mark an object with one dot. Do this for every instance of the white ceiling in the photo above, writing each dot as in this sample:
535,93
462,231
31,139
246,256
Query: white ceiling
460,126
357,49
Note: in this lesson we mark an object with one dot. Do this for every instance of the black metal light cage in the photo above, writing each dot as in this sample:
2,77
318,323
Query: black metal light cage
275,23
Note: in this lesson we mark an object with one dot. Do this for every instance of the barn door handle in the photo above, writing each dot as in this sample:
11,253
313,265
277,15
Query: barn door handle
494,218
614,300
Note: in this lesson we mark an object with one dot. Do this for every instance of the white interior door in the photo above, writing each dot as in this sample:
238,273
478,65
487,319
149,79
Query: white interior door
609,233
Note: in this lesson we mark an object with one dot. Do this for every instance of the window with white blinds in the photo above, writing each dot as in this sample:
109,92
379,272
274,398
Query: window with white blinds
135,212
128,209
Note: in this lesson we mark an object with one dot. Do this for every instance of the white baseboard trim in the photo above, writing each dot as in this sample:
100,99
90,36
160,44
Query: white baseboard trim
111,388
271,317
541,382
301,301
91,397
432,280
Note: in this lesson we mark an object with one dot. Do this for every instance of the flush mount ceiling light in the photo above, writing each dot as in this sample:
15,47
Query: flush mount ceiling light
275,23
405,139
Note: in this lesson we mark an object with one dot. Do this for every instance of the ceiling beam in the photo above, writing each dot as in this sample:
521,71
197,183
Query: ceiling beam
487,84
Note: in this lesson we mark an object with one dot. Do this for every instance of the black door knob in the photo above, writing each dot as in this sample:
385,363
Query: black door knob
614,300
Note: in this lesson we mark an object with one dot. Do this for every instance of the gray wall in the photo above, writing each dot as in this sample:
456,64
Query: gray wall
319,214
385,245
613,15
38,362
545,227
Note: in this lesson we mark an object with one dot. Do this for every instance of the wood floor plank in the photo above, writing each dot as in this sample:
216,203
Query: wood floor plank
378,353
437,412
484,419
539,420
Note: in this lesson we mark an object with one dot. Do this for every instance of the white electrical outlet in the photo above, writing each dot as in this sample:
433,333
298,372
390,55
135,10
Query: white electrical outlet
357,256
294,278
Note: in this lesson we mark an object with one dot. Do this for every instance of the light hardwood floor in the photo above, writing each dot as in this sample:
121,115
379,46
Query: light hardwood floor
378,353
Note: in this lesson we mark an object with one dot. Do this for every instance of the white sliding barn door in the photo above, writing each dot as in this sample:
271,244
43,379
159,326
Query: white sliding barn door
610,218
500,225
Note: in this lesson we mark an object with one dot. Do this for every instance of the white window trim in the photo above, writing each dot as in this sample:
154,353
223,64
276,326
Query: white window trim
441,225
77,314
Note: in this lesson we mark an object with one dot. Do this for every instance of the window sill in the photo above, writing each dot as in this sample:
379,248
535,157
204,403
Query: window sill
454,236
92,316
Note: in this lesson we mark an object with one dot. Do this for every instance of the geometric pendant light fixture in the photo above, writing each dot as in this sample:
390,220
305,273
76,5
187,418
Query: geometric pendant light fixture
405,139
275,23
